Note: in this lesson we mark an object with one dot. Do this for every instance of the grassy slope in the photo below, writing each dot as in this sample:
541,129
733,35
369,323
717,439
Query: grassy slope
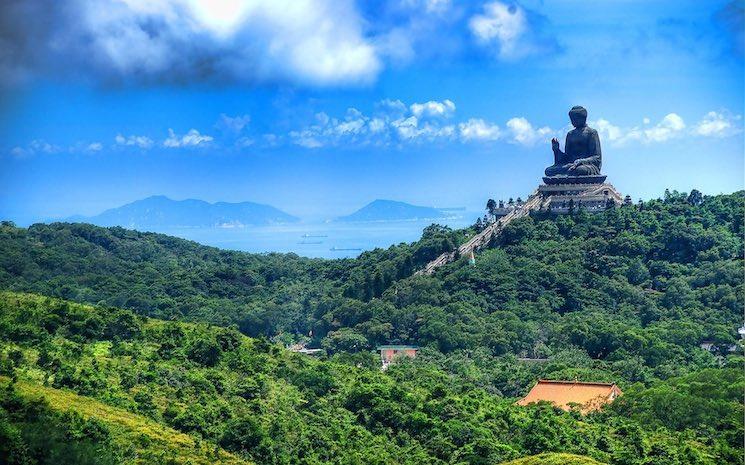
554,459
151,438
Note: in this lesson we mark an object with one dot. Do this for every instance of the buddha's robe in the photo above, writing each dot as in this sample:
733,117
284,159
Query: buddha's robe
582,146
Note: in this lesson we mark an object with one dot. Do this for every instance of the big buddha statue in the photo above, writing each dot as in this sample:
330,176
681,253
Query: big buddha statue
581,159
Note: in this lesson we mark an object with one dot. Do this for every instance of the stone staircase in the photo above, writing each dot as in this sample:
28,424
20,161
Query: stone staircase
593,198
534,202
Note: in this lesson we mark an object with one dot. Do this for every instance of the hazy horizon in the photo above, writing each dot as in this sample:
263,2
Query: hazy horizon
433,103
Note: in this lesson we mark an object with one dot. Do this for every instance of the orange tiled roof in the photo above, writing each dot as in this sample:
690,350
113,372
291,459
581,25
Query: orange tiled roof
590,396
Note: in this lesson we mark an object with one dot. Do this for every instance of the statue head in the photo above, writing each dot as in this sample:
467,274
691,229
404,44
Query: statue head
578,115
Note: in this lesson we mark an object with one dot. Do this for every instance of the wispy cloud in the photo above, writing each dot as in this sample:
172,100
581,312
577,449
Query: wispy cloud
190,139
142,142
719,124
510,31
397,124
392,122
433,108
34,147
672,126
232,124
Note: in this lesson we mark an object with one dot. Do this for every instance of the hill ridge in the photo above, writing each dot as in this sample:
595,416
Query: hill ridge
160,211
393,210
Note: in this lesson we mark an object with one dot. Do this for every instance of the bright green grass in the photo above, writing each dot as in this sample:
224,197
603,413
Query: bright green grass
554,459
152,440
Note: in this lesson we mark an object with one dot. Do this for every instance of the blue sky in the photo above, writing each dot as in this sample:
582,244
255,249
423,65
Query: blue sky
320,107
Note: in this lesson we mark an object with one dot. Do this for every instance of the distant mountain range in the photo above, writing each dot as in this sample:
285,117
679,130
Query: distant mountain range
161,212
391,210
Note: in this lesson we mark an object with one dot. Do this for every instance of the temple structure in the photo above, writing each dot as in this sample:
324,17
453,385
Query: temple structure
574,182
388,353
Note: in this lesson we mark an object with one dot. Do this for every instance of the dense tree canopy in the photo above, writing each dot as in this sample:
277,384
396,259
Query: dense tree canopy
626,296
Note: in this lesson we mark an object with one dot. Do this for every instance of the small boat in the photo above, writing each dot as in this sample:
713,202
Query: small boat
314,235
339,249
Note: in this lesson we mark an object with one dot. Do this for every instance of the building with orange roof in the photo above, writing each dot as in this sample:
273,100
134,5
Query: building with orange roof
565,394
389,352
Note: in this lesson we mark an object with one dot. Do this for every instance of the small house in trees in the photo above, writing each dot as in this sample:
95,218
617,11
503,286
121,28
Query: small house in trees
565,394
389,353
301,349
712,346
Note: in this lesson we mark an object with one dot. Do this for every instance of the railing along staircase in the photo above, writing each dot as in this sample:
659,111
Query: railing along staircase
534,202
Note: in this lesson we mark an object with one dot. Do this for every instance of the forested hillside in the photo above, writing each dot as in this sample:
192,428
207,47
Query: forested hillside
82,382
625,296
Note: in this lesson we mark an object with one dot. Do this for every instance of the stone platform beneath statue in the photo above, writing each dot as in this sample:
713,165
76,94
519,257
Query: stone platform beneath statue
563,179
569,197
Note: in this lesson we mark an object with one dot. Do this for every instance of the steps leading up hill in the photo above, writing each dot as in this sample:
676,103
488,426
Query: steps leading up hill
534,202
558,198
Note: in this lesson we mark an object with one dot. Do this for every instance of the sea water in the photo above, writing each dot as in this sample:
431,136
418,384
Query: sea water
318,240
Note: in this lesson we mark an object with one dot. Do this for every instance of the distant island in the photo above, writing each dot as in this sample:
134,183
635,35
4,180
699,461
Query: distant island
161,212
391,210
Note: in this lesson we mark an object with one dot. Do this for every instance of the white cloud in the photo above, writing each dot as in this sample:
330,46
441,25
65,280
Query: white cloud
330,131
432,132
606,130
19,152
671,126
244,142
353,124
394,122
271,140
476,129
318,42
322,118
437,6
34,147
305,138
718,124
408,129
377,125
190,139
511,32
429,6
503,24
391,108
142,142
433,109
525,134
39,145
234,124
